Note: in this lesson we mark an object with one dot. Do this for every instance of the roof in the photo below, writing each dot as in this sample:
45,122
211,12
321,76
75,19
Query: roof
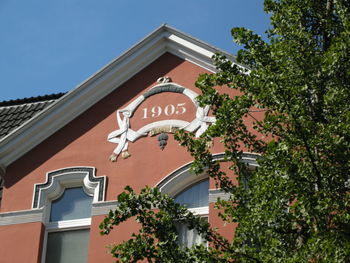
14,113
54,115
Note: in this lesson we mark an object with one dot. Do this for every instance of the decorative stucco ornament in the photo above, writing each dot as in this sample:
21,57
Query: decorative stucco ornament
113,157
125,134
165,79
158,130
163,140
126,154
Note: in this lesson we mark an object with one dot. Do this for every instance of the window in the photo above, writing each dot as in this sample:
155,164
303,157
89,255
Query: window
73,204
68,227
66,199
67,246
196,199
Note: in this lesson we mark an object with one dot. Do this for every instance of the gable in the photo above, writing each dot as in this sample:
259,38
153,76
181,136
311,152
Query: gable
163,40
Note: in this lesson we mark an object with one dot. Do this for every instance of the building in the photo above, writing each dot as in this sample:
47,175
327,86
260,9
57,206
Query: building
64,158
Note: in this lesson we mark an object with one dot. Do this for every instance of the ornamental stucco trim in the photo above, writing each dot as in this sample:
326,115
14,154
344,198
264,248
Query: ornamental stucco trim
176,181
125,134
21,217
58,180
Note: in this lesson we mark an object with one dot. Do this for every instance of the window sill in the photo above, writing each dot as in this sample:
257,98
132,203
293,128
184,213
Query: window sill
71,224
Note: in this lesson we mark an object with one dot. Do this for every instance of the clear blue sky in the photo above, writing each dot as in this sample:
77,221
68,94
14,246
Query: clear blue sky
52,46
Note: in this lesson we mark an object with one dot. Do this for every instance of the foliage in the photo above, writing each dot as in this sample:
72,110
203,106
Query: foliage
296,207
157,238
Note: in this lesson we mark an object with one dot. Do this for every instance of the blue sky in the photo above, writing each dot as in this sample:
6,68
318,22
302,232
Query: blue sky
51,46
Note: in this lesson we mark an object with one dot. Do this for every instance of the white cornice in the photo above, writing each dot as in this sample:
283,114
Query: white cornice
164,39
103,208
21,217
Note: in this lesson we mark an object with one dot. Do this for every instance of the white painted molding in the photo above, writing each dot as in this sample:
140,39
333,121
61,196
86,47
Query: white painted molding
178,180
103,208
68,224
181,178
214,194
58,180
204,210
21,217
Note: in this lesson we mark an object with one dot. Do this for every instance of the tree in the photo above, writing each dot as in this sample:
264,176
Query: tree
295,206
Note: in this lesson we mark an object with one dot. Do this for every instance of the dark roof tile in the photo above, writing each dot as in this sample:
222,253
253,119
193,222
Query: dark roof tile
14,113
31,99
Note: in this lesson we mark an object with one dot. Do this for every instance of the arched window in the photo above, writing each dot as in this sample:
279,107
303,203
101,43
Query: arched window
195,196
196,199
73,204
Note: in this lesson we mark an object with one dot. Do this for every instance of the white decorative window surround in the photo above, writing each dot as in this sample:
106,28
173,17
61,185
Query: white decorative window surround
181,178
125,134
57,181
